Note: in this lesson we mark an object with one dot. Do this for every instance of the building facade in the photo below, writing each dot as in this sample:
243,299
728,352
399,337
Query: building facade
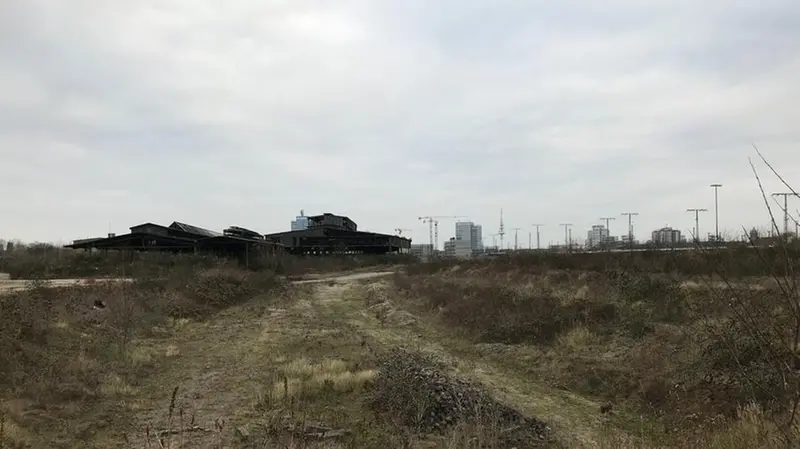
477,238
465,239
300,223
450,247
597,236
421,250
667,236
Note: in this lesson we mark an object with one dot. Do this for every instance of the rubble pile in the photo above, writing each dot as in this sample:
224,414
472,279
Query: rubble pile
413,389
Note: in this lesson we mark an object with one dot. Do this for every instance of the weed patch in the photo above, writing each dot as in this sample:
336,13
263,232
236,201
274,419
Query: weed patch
77,351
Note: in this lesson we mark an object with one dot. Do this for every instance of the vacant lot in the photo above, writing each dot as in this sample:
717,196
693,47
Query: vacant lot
679,361
7,286
459,356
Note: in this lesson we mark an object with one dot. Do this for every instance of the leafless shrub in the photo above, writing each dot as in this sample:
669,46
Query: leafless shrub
757,346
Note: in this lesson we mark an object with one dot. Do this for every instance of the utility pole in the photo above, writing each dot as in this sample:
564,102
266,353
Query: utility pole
538,246
494,241
516,240
502,231
785,209
630,226
697,222
716,211
608,229
566,234
530,246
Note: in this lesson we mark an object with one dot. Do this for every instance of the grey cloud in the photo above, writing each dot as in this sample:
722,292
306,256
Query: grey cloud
246,112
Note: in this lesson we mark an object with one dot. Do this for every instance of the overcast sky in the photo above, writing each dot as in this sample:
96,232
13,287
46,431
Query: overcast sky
214,113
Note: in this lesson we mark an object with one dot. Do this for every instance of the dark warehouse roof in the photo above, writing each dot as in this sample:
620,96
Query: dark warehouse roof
196,230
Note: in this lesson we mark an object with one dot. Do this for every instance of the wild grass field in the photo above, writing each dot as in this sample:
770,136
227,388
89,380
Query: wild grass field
673,360
691,349
629,351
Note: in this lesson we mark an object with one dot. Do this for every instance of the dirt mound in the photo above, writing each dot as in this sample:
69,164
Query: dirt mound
378,303
413,389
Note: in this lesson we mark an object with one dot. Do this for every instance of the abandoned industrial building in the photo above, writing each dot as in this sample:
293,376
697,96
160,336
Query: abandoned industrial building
233,242
325,234
336,234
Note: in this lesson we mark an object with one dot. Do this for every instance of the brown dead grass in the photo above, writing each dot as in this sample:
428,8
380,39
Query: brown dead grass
649,345
303,377
262,373
63,360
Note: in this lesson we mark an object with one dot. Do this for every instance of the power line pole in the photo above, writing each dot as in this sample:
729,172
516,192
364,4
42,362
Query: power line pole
785,209
538,246
516,240
502,231
566,234
697,222
630,226
716,210
530,245
608,229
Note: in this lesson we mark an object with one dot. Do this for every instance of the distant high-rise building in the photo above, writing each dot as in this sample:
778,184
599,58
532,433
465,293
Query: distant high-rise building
667,236
468,240
300,223
463,239
450,247
597,236
477,238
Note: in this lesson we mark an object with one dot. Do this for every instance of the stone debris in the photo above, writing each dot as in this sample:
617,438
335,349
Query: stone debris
414,389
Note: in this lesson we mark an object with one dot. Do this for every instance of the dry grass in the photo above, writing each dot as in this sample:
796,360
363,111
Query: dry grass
575,340
551,343
318,370
305,378
63,359
46,261
654,346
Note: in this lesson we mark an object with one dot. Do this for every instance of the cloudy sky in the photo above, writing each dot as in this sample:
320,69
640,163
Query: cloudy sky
114,113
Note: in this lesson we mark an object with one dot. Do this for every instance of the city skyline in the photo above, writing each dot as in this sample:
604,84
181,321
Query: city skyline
245,112
716,229
555,237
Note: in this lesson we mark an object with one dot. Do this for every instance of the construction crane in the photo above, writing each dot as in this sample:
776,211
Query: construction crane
400,231
433,227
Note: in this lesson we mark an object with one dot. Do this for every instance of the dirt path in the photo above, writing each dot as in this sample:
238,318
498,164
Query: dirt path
7,286
221,367
575,419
